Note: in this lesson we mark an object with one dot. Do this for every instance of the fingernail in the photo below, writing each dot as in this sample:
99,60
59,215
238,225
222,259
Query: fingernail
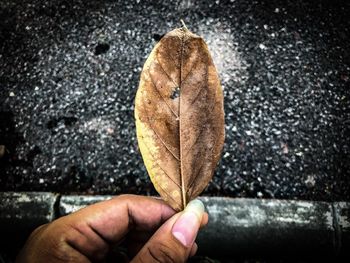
186,227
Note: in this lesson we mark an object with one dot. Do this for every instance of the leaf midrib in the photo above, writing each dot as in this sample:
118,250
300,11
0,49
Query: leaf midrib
183,190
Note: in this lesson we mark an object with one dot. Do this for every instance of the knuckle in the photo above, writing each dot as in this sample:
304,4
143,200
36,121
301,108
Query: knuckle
164,253
62,251
54,243
38,231
125,196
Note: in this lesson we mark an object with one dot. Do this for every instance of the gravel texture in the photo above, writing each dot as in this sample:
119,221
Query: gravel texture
69,71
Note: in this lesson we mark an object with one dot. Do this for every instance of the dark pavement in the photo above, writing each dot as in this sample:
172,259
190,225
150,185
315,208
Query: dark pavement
69,71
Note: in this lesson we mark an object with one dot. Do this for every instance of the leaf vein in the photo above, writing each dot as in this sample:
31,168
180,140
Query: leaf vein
165,145
156,163
190,71
166,192
195,177
162,68
195,142
159,137
155,87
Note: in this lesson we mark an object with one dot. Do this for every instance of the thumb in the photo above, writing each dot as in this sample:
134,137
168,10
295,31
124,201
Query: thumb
173,241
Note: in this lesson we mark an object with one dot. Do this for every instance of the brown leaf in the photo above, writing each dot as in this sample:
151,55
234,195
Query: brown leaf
180,117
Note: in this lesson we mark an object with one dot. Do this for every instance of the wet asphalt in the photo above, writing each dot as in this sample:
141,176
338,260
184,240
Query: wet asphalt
69,71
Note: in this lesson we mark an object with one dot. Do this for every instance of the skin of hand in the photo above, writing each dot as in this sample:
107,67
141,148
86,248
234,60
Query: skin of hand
148,227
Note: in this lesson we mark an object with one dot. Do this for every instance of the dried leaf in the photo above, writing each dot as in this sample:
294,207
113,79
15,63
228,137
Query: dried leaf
180,117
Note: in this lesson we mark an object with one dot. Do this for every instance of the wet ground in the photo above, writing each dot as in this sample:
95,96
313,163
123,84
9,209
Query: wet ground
69,71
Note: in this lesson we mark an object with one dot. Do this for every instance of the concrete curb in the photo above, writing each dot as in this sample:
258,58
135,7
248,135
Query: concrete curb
26,210
237,227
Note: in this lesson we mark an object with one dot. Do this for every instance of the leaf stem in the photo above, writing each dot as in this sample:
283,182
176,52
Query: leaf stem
183,24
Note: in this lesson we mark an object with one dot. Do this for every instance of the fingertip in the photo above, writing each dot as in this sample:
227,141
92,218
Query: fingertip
194,249
197,207
205,219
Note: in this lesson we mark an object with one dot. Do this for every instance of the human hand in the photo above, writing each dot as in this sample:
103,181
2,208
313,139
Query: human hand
149,228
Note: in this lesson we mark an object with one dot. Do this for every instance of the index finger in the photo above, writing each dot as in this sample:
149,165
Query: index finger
113,219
